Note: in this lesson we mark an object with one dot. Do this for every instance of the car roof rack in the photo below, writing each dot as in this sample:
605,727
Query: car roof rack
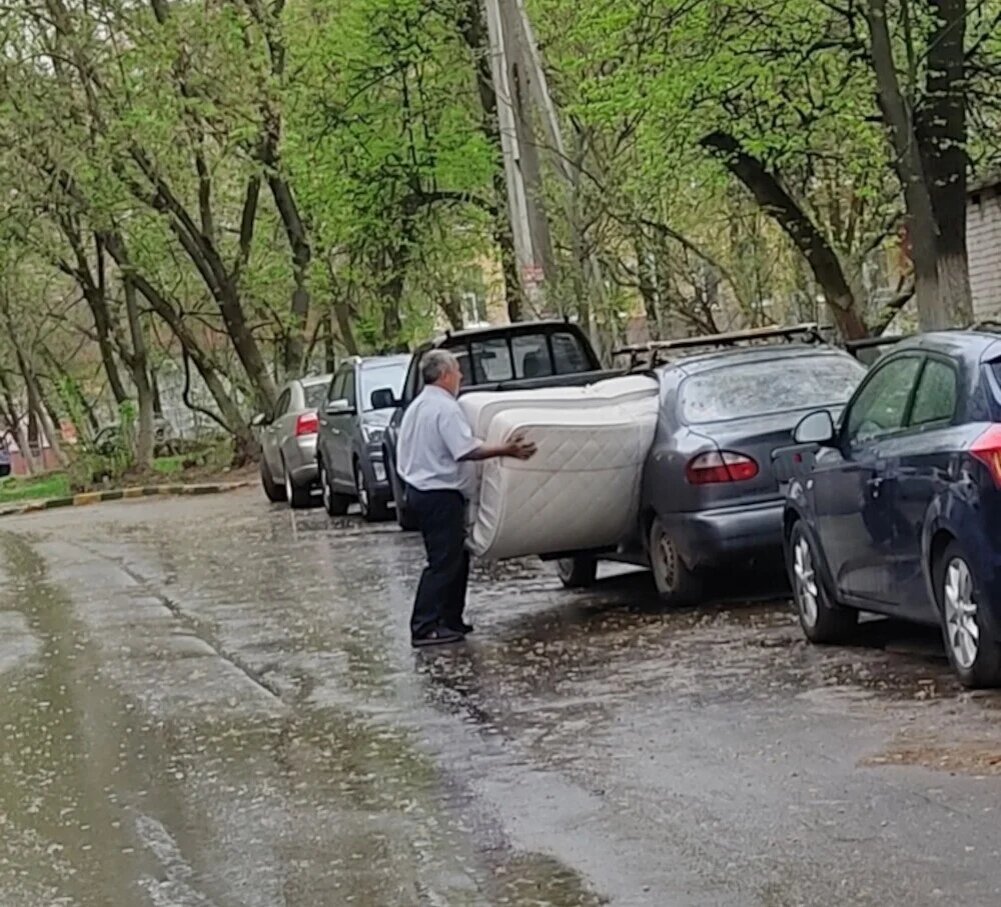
660,350
869,343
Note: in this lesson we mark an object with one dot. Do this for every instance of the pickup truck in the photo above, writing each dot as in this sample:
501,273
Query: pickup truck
515,356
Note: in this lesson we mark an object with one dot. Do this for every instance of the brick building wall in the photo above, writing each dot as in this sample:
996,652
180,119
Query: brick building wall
983,241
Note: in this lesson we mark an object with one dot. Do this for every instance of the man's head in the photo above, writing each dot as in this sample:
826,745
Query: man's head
441,368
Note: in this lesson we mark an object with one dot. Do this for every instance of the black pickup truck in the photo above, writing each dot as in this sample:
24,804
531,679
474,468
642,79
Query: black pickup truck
515,356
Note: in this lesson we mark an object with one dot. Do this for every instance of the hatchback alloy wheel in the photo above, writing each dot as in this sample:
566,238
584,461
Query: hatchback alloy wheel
960,604
822,617
805,581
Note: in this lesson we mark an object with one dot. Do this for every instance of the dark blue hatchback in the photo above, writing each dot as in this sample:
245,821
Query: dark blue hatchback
897,509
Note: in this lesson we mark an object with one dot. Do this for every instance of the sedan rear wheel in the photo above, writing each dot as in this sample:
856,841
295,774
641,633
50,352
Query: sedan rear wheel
822,620
676,584
299,497
273,491
972,647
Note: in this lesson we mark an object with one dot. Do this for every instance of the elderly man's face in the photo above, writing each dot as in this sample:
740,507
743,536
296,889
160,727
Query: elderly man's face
452,380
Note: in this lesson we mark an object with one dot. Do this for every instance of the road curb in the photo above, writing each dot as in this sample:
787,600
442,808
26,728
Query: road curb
120,494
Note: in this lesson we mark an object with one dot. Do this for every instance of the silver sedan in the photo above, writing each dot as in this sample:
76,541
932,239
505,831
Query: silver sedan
288,441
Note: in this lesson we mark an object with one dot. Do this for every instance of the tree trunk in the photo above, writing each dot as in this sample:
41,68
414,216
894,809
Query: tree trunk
17,423
230,418
139,366
452,309
37,410
104,345
648,287
302,255
921,223
773,198
942,136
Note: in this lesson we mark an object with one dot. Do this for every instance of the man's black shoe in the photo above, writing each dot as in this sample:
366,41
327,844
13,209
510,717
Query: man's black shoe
460,627
439,637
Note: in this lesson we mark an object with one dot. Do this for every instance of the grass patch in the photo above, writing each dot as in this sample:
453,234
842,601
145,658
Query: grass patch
33,488
169,466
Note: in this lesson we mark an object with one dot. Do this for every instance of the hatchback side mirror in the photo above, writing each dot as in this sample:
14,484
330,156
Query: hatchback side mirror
816,428
383,398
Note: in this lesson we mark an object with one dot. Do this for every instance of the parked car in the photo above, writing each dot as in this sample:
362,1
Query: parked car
5,466
521,355
288,441
710,498
897,506
349,450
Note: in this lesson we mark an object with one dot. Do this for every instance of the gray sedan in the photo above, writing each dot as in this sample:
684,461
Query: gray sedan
711,499
288,441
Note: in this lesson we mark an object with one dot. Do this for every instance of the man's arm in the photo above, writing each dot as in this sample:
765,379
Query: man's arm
517,447
461,443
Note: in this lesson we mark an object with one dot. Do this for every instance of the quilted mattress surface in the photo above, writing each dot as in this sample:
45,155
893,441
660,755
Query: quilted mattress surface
581,489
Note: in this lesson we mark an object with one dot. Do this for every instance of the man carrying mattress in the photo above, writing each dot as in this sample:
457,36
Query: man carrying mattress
434,459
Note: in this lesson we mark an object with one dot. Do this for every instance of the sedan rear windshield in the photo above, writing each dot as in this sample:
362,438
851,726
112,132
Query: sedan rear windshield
772,386
314,394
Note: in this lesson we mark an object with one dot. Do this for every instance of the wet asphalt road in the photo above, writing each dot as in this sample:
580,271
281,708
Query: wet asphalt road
212,703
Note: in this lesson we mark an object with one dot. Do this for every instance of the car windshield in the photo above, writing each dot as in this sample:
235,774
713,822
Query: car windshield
377,377
770,386
314,394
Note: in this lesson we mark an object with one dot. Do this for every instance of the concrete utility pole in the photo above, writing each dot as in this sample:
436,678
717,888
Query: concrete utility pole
515,74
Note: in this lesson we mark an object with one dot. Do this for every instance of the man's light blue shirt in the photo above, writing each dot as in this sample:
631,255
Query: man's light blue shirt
434,436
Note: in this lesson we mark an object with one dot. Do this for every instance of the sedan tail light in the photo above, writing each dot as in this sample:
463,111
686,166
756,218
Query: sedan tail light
720,466
307,424
987,449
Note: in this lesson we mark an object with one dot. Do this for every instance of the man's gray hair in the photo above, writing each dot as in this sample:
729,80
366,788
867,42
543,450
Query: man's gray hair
435,364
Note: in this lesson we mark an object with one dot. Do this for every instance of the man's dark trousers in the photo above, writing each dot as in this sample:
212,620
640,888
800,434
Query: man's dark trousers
441,594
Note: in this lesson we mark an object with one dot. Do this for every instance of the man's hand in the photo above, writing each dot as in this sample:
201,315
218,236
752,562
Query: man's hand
519,448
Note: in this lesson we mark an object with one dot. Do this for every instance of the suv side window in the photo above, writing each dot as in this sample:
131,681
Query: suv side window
881,405
336,386
413,385
935,398
348,392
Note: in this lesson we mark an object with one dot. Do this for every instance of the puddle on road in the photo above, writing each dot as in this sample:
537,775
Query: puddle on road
103,802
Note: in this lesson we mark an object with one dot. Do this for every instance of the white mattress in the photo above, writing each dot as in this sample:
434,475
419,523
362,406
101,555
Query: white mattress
581,489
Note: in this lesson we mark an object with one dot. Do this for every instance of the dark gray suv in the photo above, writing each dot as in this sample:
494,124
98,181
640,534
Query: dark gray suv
349,446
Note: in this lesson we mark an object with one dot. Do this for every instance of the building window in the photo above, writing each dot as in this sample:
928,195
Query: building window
474,309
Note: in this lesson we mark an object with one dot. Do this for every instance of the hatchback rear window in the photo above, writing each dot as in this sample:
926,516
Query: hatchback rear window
770,386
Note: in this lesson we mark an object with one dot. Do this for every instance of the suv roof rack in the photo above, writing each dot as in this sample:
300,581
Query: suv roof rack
810,332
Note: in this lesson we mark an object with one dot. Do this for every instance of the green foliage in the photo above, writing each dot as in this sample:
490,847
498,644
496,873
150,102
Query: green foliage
34,488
